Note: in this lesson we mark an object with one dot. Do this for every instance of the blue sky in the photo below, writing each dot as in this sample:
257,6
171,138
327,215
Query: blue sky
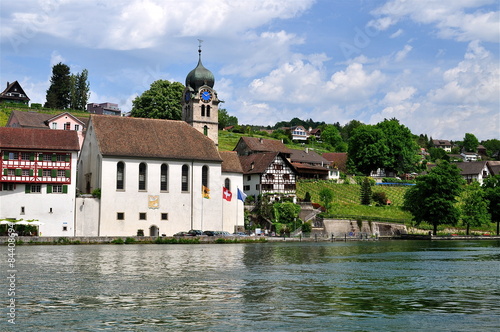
432,64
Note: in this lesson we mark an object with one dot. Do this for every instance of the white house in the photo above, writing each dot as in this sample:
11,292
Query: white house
153,175
37,180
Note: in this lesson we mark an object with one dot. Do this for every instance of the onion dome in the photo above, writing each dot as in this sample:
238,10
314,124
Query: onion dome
200,76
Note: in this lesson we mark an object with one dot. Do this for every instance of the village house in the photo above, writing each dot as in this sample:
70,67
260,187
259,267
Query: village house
338,164
104,109
37,180
442,144
15,94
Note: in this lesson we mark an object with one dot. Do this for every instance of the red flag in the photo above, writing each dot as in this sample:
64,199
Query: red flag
226,194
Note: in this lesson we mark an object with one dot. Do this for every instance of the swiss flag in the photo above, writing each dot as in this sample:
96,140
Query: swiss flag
226,194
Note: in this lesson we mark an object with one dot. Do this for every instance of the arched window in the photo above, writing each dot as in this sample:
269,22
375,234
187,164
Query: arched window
164,177
142,176
227,184
208,110
185,178
202,110
205,130
120,175
204,176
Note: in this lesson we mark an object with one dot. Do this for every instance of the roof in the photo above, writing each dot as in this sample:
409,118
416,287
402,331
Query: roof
471,167
230,162
30,119
308,157
305,168
494,167
257,163
337,159
200,76
439,142
151,138
55,117
17,94
264,145
38,139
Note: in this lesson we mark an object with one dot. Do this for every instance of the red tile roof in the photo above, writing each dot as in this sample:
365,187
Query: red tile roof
264,145
38,139
151,138
230,162
257,163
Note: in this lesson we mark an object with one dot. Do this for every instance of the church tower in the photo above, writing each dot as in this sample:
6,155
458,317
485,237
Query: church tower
200,105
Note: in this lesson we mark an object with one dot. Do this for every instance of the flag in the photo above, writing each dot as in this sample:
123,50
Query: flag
241,195
226,194
205,192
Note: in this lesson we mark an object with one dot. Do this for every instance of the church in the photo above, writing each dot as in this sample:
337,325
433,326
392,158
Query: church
159,177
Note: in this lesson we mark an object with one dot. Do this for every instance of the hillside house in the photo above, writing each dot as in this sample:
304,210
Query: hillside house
15,94
474,171
104,109
442,144
338,164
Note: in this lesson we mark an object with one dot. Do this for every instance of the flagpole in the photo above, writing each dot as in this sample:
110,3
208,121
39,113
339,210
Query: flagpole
222,202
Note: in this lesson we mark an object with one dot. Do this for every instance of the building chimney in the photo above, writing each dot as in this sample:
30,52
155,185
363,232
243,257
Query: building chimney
8,84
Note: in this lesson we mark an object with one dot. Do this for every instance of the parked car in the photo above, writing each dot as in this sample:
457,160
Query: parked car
240,234
180,234
194,232
209,233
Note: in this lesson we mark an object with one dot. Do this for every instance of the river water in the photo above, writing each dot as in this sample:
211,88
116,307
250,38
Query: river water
300,286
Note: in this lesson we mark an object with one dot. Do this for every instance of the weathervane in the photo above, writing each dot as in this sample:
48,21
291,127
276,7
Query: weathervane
199,45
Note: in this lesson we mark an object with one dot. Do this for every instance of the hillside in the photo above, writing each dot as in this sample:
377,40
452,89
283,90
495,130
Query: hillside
5,111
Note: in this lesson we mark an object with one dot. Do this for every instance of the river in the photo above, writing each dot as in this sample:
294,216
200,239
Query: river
300,286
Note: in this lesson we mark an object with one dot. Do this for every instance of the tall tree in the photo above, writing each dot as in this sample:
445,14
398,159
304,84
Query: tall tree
58,94
492,147
491,186
161,101
403,151
470,143
366,192
226,120
367,150
82,90
330,135
473,207
326,197
434,196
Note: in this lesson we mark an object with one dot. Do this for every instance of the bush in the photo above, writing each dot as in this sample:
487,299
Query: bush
96,193
307,227
129,240
380,198
118,241
307,197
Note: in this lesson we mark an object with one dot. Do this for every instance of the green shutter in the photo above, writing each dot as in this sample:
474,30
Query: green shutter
68,173
32,157
40,157
5,171
40,172
67,157
5,155
65,188
31,172
53,173
27,189
49,189
54,157
19,172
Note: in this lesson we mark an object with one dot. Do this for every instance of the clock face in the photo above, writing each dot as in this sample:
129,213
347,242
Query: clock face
187,96
205,96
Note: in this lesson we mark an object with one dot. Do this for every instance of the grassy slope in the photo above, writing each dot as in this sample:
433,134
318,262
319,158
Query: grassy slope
6,110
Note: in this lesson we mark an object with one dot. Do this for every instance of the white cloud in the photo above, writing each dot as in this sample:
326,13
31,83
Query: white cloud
397,33
55,58
354,83
401,55
454,19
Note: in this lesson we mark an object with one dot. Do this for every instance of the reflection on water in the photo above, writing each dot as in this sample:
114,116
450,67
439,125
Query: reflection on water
365,286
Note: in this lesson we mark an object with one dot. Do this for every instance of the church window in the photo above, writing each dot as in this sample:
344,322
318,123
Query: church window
205,130
227,184
164,177
142,176
202,110
185,178
204,176
120,172
208,110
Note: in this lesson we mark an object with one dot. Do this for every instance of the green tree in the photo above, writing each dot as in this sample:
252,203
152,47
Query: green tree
367,150
80,90
433,198
492,147
470,143
226,120
403,151
473,206
491,186
58,94
161,101
349,128
366,191
326,198
331,135
438,154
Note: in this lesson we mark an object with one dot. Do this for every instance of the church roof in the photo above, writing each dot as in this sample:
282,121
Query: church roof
151,138
38,139
200,76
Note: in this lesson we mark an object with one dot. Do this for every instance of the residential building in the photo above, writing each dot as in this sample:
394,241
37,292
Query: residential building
14,93
474,171
338,164
443,144
469,156
299,133
104,109
309,164
37,180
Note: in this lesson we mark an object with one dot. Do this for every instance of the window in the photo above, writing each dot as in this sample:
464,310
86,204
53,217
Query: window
120,172
120,215
164,177
25,156
26,172
57,188
61,173
77,127
47,157
286,177
204,176
13,155
8,186
278,166
46,172
208,110
54,125
185,178
142,176
23,211
67,126
269,176
65,228
246,188
60,157
142,215
11,171
164,216
205,130
36,188
266,186
202,110
227,184
249,177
